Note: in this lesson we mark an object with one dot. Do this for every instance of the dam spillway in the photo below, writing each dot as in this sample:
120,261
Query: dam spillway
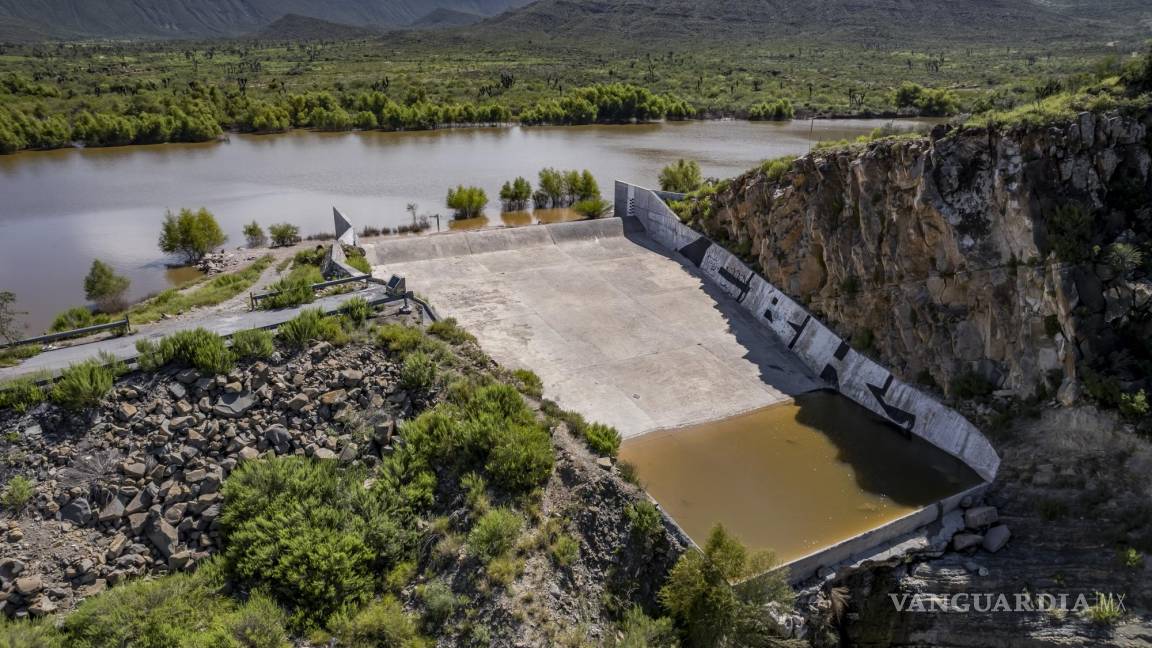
628,332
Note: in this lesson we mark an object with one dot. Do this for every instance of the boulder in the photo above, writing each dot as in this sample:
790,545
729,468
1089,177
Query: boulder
29,585
112,511
963,541
980,516
996,538
163,536
234,405
334,397
78,511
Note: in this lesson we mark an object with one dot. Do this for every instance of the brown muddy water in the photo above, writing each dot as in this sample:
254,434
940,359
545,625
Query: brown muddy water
59,210
793,478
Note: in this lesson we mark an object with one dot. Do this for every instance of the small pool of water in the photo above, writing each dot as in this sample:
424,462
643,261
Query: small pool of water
793,478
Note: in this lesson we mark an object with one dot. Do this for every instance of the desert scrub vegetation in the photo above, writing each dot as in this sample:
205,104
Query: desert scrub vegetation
312,325
601,439
198,348
17,493
253,344
85,384
450,331
528,382
21,394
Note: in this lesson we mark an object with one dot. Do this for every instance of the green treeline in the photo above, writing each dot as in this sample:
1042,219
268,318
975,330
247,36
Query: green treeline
204,112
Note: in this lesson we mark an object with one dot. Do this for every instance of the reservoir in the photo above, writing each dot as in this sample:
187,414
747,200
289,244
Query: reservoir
793,478
59,210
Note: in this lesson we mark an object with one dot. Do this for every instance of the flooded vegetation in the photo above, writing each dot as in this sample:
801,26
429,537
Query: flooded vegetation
108,203
793,478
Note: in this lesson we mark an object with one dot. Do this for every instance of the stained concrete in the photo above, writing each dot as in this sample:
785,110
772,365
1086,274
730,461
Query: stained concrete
617,329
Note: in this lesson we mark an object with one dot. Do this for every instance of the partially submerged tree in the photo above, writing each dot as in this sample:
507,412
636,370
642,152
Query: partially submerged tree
468,202
255,235
105,287
191,233
683,176
516,194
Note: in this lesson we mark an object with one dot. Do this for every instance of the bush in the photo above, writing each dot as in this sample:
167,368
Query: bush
284,234
530,383
778,110
360,263
398,338
29,634
494,534
566,550
592,208
309,326
85,384
105,287
20,395
683,176
702,603
449,331
602,439
177,611
516,194
638,630
199,348
439,603
522,457
253,344
647,523
310,533
418,372
1107,610
17,493
468,202
191,233
381,623
356,310
254,234
77,317
13,355
295,289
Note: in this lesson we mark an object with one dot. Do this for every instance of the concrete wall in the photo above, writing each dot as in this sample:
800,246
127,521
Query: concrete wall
454,244
826,354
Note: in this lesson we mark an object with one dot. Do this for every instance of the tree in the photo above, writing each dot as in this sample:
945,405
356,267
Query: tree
191,233
284,234
255,235
551,188
105,287
593,208
516,194
469,202
681,177
708,609
8,327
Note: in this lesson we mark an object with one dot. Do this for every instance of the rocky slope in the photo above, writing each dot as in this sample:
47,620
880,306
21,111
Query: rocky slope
973,259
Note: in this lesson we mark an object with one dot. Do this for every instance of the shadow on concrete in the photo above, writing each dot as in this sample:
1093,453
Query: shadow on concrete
778,367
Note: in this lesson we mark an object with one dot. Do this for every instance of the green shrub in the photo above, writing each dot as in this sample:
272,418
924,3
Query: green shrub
254,235
1107,610
177,611
450,331
310,257
85,384
17,493
381,623
20,394
775,169
360,263
310,533
475,492
293,290
778,110
494,534
700,600
522,457
214,291
29,634
356,310
530,383
12,356
593,208
284,234
683,176
253,344
439,604
628,472
638,630
418,373
565,550
199,348
602,439
1134,405
76,317
398,338
467,202
647,523
310,326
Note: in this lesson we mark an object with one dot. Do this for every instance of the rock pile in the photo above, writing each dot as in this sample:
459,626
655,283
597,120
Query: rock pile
136,488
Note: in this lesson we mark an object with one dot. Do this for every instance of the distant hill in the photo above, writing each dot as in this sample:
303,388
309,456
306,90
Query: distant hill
445,18
857,20
302,28
215,18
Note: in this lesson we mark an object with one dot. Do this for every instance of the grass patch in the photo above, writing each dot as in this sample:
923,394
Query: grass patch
450,331
17,493
529,382
199,348
253,344
295,289
20,395
311,325
215,291
85,384
12,356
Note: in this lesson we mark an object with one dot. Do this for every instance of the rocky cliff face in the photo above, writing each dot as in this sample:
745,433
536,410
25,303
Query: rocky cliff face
974,259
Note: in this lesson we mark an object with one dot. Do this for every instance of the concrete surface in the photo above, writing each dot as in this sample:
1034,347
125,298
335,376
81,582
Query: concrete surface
617,330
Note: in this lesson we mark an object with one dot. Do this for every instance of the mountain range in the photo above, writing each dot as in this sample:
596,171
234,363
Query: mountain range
889,20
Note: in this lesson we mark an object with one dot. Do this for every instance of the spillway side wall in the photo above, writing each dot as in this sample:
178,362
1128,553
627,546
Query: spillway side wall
832,358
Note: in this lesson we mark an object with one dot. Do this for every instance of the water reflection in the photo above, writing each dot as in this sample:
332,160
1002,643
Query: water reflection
793,478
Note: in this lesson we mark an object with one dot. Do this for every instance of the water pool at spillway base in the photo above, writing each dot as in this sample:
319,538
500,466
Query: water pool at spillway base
793,478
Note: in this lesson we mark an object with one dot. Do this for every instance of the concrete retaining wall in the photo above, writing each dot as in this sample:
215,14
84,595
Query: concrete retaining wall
454,244
826,354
